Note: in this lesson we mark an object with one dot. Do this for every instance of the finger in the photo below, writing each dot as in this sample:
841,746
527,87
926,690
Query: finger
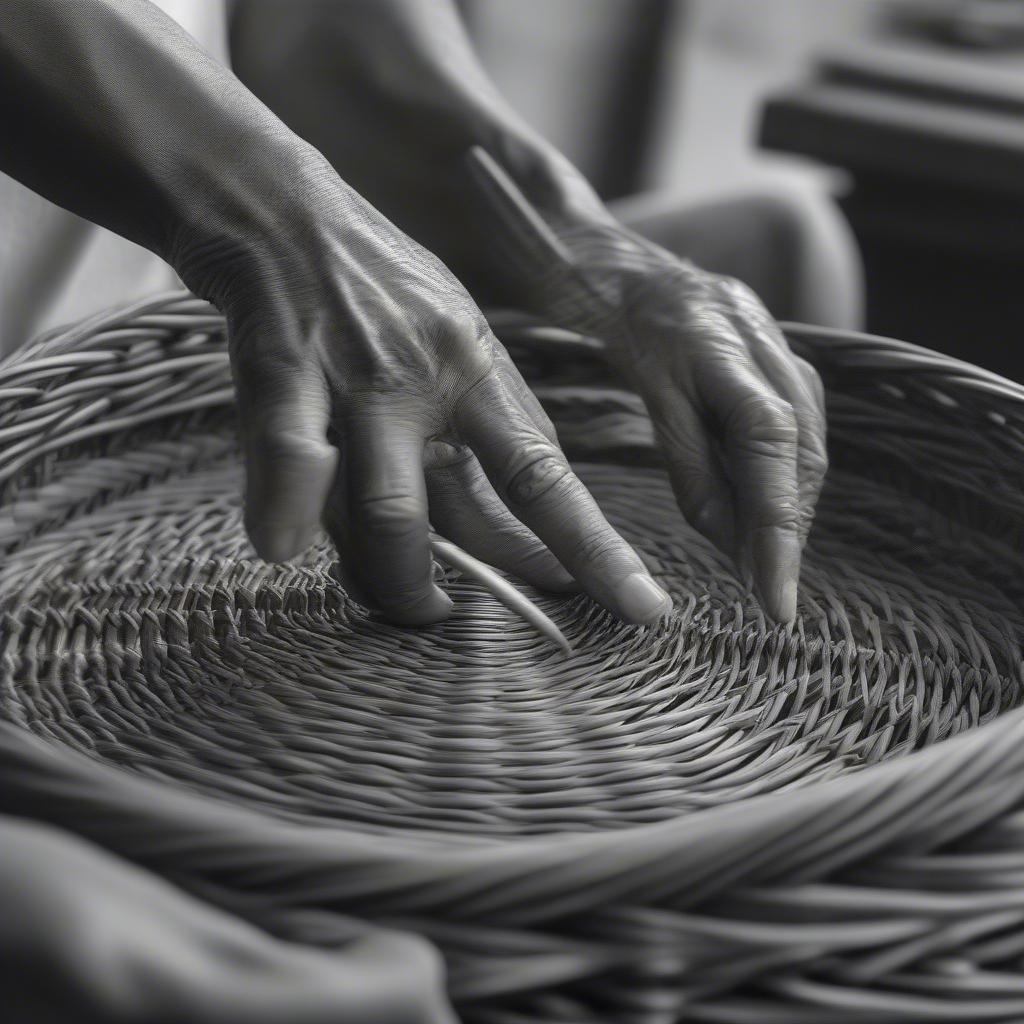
698,479
513,380
386,518
797,382
760,443
533,479
465,509
338,526
342,573
289,466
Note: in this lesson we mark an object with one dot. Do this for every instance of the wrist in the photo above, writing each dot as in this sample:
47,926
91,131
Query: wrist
232,215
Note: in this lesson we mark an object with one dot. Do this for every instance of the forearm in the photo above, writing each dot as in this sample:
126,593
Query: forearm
112,111
393,94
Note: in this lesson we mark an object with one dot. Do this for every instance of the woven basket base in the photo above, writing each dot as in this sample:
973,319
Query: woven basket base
144,633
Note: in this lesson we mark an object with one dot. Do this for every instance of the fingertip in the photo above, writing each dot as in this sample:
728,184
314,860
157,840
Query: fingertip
784,611
433,607
776,558
640,601
279,544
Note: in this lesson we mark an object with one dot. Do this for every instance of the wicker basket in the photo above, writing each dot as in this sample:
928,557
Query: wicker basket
710,819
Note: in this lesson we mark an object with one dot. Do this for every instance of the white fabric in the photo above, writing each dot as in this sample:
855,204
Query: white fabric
56,268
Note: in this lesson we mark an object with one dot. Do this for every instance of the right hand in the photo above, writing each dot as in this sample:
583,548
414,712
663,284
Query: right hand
87,937
339,322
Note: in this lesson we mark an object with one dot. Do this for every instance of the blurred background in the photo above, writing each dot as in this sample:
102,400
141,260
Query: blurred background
910,114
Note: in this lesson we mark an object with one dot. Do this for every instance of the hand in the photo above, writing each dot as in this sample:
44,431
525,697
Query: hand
336,320
739,417
340,325
87,937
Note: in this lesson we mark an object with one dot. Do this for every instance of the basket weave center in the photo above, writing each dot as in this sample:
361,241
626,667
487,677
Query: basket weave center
141,631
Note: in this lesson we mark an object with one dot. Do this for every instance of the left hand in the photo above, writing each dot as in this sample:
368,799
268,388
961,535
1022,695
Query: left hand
740,417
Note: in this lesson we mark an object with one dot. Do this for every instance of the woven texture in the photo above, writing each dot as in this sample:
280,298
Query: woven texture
711,819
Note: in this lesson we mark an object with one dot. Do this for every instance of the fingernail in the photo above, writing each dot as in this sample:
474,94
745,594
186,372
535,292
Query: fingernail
278,544
641,600
777,567
786,601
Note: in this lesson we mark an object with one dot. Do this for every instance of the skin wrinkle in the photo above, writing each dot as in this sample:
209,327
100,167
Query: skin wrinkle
538,477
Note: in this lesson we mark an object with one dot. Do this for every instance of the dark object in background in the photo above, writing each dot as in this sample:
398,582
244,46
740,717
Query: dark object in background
934,144
626,120
981,24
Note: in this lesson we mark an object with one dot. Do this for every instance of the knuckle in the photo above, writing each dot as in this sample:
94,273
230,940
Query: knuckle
735,291
439,454
458,324
292,448
535,475
781,514
710,320
765,419
466,335
814,461
743,302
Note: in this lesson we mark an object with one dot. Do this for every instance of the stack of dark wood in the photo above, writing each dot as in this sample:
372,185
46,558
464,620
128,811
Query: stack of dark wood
933,141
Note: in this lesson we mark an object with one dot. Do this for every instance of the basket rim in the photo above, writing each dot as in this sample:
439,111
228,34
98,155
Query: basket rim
878,806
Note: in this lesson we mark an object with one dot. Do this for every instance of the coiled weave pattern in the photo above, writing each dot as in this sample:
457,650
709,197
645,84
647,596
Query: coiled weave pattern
712,819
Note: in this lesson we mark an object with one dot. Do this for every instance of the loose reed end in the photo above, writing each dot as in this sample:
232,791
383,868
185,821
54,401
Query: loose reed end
503,591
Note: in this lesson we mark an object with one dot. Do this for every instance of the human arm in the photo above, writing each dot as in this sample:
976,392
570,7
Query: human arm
337,321
739,416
